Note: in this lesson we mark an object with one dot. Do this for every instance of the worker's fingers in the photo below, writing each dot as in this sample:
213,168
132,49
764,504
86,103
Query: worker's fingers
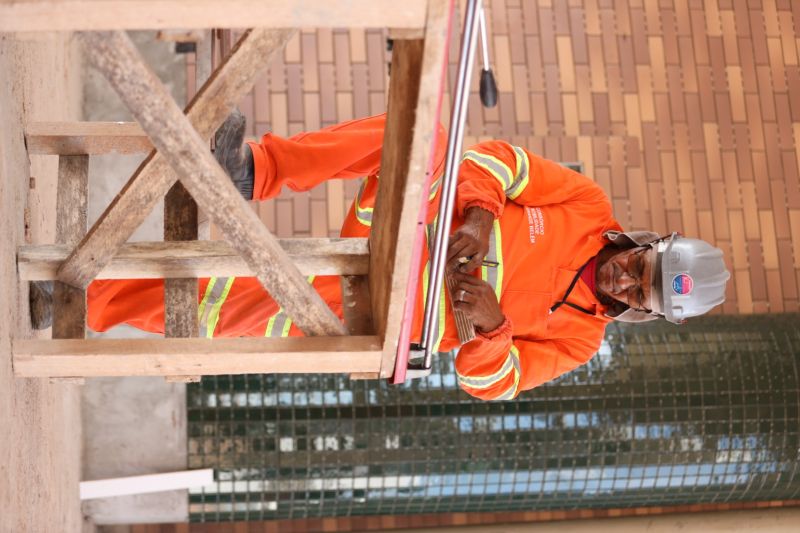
473,263
458,251
464,307
467,281
463,295
456,244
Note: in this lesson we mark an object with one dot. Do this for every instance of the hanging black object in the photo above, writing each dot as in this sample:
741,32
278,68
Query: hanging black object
488,89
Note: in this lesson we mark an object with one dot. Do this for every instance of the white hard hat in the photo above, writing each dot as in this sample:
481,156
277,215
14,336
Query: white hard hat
688,276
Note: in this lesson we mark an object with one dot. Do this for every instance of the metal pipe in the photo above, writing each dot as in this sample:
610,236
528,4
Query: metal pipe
484,40
455,140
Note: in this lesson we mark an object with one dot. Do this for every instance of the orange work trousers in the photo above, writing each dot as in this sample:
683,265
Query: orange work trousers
240,307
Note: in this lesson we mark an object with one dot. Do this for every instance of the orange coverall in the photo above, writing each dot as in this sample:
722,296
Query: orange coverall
549,222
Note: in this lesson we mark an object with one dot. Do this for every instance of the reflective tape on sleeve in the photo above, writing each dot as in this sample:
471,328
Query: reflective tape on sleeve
492,165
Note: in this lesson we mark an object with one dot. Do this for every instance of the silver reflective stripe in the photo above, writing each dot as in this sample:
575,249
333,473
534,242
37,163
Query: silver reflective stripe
493,275
363,214
214,291
484,382
279,324
496,168
521,175
513,390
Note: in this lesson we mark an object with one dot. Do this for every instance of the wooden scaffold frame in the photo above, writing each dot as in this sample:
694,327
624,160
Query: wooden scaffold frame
374,271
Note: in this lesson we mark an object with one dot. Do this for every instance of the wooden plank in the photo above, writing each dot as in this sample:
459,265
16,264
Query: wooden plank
113,54
177,357
76,15
393,191
93,138
146,484
203,66
69,303
207,110
416,83
148,260
180,295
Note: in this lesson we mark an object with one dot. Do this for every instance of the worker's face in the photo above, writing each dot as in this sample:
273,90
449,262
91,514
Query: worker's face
625,277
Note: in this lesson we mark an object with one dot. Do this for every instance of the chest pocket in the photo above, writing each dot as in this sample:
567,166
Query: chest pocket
529,312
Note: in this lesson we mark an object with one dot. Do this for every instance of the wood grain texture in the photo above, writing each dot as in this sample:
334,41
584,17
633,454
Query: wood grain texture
113,54
391,197
416,84
62,15
189,357
356,306
207,110
93,138
180,294
147,260
69,303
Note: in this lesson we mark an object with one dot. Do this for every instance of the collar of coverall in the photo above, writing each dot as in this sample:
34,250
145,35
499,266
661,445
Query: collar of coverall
625,240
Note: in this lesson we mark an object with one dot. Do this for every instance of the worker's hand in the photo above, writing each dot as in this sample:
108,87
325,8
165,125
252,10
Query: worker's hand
469,244
477,300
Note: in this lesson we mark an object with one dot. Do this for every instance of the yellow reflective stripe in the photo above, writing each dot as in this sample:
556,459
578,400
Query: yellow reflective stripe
492,165
363,214
513,390
439,332
494,275
484,382
213,315
498,247
280,321
434,188
442,318
511,364
520,182
271,324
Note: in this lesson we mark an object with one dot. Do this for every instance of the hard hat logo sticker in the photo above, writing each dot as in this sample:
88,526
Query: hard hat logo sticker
682,284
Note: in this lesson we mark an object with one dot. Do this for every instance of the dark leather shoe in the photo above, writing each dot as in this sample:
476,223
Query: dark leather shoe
40,297
233,155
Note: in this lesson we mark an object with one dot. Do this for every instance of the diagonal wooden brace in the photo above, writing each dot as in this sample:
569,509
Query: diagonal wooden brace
113,54
207,110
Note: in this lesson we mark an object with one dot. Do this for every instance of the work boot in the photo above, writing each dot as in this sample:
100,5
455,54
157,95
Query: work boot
40,298
235,156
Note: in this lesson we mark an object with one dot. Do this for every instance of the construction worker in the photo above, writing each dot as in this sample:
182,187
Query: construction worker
541,265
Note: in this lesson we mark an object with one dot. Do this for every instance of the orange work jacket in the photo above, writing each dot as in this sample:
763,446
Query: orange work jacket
549,222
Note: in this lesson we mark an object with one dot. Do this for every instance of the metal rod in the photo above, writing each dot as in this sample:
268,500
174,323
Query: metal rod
454,143
484,40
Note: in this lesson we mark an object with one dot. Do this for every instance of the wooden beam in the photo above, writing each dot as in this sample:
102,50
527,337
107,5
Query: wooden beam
69,303
148,260
207,110
113,54
179,357
76,15
93,138
416,83
181,218
356,305
180,294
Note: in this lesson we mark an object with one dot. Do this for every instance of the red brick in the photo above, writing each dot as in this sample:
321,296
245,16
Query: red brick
547,36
